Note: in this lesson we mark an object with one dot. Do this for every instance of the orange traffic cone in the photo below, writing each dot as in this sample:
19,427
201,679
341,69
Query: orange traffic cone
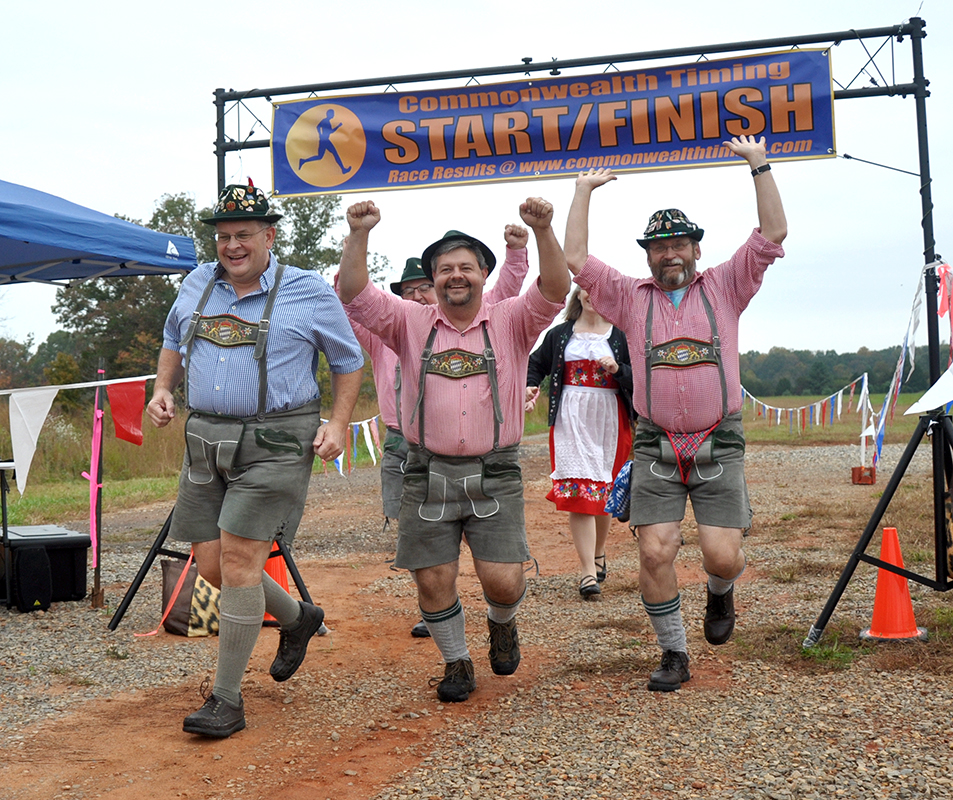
275,567
893,610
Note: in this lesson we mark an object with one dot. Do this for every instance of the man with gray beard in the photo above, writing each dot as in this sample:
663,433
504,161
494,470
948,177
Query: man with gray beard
689,441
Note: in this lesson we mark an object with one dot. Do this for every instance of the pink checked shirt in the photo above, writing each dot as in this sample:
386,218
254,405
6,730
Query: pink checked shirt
508,284
689,399
459,412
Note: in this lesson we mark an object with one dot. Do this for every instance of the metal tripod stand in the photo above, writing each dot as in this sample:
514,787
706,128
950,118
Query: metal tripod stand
158,548
935,424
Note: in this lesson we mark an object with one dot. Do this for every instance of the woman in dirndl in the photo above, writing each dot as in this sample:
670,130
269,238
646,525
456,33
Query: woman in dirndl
590,434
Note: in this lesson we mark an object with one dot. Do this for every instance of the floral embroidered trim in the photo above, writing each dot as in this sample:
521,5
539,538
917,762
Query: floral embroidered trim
683,353
227,330
456,364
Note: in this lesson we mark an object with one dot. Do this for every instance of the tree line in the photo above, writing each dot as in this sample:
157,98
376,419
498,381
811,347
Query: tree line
120,320
783,373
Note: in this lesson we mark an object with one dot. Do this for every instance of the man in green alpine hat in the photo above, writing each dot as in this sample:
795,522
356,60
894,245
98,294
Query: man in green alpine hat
245,334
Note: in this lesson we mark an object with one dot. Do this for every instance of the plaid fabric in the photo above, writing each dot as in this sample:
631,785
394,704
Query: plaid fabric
686,446
617,503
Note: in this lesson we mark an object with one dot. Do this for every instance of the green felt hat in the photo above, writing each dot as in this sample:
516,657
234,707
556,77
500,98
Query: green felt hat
412,272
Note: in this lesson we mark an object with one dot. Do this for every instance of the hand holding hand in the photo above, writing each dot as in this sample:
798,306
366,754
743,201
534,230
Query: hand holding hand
516,236
532,395
330,441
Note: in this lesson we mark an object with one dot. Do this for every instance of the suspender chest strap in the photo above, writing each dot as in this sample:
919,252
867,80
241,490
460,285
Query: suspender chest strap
459,364
227,330
683,352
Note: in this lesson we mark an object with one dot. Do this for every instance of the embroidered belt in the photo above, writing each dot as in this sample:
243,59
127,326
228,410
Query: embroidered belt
680,353
588,373
227,330
457,364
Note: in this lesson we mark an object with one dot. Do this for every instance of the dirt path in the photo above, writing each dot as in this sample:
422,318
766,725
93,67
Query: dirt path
360,714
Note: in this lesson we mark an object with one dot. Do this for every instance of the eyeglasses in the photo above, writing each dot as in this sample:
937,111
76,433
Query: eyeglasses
241,238
423,288
658,248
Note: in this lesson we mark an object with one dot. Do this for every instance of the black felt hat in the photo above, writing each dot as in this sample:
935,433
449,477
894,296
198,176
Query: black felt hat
465,241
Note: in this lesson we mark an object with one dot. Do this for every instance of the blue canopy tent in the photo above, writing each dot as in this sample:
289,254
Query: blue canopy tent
46,239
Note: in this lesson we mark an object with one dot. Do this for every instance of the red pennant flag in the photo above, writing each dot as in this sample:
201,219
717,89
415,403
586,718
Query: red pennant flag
127,402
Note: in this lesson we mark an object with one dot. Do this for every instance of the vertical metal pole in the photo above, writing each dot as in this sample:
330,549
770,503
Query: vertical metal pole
940,441
220,137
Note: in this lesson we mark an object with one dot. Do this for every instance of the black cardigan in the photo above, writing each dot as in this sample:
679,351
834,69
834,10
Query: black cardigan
550,358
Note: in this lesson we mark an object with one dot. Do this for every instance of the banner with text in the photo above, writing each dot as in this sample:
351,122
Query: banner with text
662,118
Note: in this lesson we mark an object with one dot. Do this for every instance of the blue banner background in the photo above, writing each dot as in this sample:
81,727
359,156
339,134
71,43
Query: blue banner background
663,118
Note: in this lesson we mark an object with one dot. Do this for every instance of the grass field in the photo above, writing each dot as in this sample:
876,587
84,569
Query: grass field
137,475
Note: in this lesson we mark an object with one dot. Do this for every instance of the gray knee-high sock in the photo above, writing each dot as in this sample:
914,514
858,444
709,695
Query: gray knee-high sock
448,632
666,619
502,613
242,612
721,586
281,605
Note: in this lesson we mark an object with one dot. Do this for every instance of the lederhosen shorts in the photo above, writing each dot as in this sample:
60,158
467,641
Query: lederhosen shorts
445,497
245,476
715,482
392,472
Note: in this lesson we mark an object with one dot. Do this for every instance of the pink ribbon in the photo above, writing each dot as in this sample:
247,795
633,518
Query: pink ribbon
93,477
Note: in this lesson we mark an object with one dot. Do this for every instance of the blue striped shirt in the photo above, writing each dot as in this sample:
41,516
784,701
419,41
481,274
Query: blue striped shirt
307,319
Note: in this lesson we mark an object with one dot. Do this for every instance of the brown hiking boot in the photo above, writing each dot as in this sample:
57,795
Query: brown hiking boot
504,646
457,681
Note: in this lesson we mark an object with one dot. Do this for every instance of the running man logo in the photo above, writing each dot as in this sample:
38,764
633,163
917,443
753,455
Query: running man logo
326,146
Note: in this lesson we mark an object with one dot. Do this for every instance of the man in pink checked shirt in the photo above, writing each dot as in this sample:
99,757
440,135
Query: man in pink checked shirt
463,366
415,286
689,441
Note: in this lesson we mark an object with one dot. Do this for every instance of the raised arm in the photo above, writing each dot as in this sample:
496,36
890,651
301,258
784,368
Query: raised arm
353,277
774,226
577,224
515,265
553,276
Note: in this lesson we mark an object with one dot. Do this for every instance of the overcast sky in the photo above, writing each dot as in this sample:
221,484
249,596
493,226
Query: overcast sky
109,104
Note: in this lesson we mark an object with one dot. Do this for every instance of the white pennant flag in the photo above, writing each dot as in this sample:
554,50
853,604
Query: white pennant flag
936,396
368,441
28,410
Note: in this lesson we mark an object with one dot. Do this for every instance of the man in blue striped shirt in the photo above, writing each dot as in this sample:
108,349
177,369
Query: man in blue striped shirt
246,334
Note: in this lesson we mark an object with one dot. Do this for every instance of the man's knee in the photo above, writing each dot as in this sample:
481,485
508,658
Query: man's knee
503,583
722,554
659,545
437,585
